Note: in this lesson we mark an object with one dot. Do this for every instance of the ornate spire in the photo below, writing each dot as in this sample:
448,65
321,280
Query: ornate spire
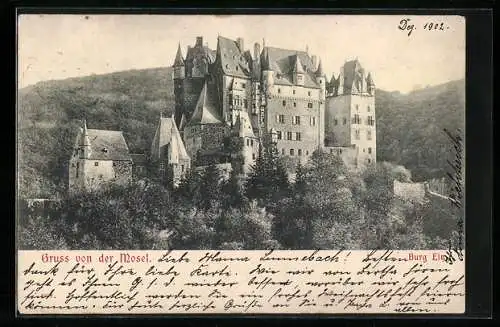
179,61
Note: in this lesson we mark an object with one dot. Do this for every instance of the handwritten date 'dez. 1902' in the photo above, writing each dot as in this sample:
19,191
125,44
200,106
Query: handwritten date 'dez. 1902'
406,25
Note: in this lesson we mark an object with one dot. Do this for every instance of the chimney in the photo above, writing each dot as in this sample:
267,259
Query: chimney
256,51
314,61
199,41
240,43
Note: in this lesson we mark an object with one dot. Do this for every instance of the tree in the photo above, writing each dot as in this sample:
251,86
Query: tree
268,180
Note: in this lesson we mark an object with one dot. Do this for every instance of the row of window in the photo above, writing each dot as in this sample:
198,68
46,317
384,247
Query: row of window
356,119
249,142
357,134
293,91
296,120
367,108
292,152
309,104
290,136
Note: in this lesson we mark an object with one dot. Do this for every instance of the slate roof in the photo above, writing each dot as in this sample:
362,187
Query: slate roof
107,145
232,61
206,110
167,136
283,61
203,50
243,125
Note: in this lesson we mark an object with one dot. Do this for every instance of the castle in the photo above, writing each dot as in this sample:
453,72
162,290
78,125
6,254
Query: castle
228,100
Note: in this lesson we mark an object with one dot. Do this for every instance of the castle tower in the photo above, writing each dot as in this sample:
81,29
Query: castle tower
350,114
321,80
267,74
179,75
84,144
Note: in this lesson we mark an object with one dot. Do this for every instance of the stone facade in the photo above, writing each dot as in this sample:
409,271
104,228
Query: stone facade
282,93
99,157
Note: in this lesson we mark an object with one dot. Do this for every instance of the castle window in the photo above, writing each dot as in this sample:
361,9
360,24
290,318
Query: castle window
296,120
295,104
368,108
344,121
245,103
283,151
309,93
368,135
248,142
281,119
356,134
182,168
356,119
369,150
371,121
284,103
299,152
309,105
363,150
237,68
289,136
278,135
96,163
279,90
243,85
340,151
369,161
331,150
307,152
313,121
335,121
293,91
251,142
114,164
77,169
292,152
297,136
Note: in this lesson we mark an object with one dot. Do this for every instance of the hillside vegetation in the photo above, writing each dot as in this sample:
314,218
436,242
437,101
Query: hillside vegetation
409,127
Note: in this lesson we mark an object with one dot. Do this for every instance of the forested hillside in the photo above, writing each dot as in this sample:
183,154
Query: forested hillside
409,127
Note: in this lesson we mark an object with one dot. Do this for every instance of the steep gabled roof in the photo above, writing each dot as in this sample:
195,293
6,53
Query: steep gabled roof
298,68
206,110
283,62
167,137
243,125
107,145
232,61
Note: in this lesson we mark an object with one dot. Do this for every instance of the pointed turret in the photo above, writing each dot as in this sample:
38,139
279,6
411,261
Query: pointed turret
178,65
369,80
319,71
85,142
179,61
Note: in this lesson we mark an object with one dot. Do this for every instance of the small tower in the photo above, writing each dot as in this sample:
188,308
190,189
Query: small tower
370,85
179,75
321,79
267,74
298,72
84,144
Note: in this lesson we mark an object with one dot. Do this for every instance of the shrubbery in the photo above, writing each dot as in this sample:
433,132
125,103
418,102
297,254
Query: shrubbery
328,207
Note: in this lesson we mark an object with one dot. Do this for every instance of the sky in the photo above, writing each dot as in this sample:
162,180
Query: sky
62,46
